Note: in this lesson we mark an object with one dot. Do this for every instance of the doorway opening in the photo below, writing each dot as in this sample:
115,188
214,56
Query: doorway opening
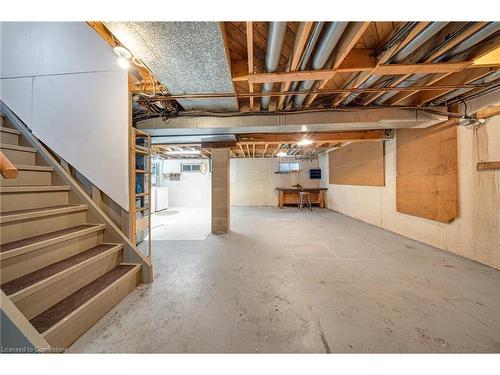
180,193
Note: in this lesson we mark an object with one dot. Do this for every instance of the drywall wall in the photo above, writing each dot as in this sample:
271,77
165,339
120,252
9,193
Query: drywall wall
62,80
253,180
192,189
474,234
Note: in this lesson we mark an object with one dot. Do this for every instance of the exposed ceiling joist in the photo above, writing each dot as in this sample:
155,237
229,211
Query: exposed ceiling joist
300,43
346,44
277,138
249,29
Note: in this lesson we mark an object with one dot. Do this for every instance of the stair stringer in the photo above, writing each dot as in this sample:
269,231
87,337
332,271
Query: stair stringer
78,195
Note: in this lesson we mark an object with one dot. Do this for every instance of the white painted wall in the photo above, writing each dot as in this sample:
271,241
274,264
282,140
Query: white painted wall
475,234
193,189
253,180
62,80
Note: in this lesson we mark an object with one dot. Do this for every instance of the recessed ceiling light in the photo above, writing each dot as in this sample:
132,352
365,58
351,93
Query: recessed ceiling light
305,142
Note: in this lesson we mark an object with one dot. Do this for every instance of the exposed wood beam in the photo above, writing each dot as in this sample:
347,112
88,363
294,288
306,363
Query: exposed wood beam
228,57
488,166
265,149
241,148
347,42
322,92
253,151
465,76
145,83
446,44
490,111
300,43
248,151
390,69
363,76
278,138
278,146
249,29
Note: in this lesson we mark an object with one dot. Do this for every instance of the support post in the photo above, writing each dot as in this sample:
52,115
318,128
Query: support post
220,190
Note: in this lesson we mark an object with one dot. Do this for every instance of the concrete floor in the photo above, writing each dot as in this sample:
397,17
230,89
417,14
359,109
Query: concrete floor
300,282
181,223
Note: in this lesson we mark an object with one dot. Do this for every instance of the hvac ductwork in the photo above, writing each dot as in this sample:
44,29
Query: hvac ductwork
477,37
325,48
416,43
451,55
453,94
275,38
306,55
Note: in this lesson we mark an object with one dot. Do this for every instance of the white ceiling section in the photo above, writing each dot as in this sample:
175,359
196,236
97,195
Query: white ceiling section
52,75
186,57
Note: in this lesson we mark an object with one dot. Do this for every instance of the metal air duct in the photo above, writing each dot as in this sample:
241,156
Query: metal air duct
275,38
324,50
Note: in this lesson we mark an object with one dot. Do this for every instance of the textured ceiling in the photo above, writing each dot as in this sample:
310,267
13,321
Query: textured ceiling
186,57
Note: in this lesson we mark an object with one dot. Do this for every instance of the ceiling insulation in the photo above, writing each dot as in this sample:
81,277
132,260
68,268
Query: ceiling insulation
186,57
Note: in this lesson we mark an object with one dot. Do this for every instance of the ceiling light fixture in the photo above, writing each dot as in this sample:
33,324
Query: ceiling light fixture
123,63
184,152
305,142
122,52
124,56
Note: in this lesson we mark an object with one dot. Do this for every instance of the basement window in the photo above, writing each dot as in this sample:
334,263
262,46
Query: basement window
191,167
289,167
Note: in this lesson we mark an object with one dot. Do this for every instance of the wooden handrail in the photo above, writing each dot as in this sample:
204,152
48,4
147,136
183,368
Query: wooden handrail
7,169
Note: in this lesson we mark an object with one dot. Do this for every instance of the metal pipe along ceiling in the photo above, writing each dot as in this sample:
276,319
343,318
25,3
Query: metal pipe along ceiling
304,59
406,51
275,38
451,55
477,37
323,51
418,41
402,54
487,79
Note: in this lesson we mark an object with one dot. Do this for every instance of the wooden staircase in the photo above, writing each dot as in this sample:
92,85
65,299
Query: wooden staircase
57,266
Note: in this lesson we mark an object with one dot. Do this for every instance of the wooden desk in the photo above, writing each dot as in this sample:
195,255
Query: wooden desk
291,196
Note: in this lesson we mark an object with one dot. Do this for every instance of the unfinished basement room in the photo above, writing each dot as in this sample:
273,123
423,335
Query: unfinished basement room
250,186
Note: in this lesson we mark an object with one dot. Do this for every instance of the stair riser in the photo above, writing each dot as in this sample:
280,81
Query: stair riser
23,264
22,229
9,138
19,157
21,201
66,332
45,298
29,178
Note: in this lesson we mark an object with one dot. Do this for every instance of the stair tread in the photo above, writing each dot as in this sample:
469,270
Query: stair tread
9,130
17,147
43,237
30,210
25,281
26,167
47,319
30,188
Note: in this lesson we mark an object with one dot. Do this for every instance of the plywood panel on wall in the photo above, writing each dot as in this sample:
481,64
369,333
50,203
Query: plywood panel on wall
360,163
427,181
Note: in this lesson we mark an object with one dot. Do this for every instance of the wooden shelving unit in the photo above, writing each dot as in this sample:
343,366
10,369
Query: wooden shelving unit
140,186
